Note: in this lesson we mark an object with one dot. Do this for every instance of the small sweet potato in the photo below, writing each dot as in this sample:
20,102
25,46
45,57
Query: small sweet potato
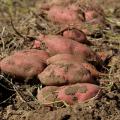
56,44
64,73
78,92
26,63
76,35
70,94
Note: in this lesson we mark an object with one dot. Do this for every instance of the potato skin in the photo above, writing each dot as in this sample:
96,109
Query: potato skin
72,94
56,44
64,73
25,64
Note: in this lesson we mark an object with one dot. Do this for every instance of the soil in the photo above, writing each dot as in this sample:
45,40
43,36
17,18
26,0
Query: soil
20,23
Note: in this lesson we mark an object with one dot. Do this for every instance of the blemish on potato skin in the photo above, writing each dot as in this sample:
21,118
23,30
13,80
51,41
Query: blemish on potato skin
43,46
74,98
79,75
51,97
28,68
53,79
83,89
65,66
71,90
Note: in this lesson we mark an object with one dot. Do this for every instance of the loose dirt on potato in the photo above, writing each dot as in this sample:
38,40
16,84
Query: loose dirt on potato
20,23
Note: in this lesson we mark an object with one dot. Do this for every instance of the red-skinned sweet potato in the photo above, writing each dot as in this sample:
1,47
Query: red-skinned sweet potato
39,54
78,92
26,63
54,44
65,15
70,94
76,35
61,58
65,73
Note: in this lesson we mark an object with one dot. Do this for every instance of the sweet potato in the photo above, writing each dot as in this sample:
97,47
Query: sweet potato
76,35
61,58
65,15
39,54
26,63
65,57
64,73
54,44
93,71
78,92
70,94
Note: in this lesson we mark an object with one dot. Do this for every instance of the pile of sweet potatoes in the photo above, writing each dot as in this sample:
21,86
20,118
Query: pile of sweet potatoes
62,62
